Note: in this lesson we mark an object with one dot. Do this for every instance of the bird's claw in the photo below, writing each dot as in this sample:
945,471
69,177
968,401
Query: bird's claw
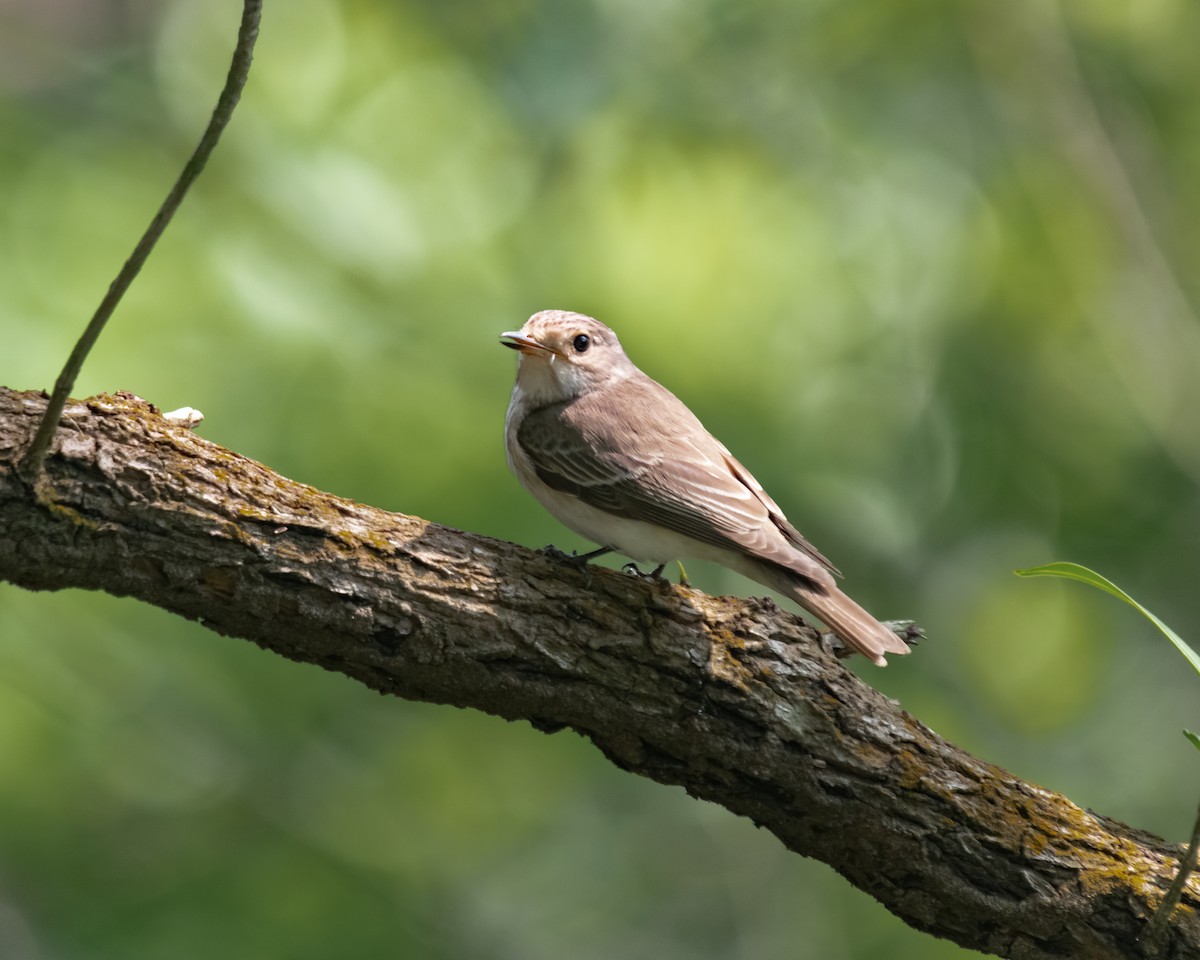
551,551
579,560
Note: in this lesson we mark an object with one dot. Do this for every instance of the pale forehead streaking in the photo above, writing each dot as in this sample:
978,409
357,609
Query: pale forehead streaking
564,323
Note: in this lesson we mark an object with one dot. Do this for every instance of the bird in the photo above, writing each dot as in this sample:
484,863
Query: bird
621,461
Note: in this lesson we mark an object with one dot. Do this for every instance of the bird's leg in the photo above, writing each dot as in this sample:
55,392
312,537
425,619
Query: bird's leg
579,560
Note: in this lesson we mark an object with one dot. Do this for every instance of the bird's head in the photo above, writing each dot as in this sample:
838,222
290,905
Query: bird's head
564,354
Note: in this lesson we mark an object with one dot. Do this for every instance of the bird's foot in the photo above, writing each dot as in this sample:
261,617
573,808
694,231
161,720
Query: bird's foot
578,560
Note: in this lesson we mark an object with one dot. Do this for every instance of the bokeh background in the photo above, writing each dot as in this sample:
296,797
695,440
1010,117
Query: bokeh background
928,268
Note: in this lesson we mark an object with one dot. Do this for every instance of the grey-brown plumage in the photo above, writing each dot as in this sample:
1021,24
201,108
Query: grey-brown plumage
620,460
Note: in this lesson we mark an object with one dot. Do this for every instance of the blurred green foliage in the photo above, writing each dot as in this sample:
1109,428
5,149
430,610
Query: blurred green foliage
929,270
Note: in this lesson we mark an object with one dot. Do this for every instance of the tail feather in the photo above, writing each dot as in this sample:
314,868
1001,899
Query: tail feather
850,622
815,590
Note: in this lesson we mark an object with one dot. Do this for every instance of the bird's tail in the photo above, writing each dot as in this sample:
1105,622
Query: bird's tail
848,620
814,588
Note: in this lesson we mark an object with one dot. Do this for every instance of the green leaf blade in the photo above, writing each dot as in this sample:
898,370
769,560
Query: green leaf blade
1075,571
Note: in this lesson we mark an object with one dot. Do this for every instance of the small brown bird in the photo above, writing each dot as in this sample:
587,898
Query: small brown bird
620,460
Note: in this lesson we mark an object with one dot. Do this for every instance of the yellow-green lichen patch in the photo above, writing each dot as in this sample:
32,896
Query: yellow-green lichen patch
723,663
912,770
378,543
62,511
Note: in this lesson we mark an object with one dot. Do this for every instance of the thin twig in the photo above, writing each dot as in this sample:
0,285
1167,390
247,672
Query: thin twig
1159,923
31,463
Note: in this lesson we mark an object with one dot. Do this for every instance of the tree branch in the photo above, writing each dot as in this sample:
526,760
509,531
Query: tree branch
734,700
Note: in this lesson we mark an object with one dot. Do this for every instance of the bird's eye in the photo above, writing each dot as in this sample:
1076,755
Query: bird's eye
582,342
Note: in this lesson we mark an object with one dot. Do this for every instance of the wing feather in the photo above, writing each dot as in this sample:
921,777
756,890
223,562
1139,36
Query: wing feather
635,451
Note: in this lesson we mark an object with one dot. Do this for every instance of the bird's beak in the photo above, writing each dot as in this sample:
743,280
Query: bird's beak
516,340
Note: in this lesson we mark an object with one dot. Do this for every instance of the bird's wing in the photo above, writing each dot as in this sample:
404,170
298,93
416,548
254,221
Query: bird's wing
642,455
794,536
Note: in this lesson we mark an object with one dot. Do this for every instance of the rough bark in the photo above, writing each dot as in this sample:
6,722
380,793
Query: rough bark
734,700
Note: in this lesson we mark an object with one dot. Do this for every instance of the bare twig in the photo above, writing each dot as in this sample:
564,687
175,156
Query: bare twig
31,462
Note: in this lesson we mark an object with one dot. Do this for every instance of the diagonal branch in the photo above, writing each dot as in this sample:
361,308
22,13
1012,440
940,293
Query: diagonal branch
732,699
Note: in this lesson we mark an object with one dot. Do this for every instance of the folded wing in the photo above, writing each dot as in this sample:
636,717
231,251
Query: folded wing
644,456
